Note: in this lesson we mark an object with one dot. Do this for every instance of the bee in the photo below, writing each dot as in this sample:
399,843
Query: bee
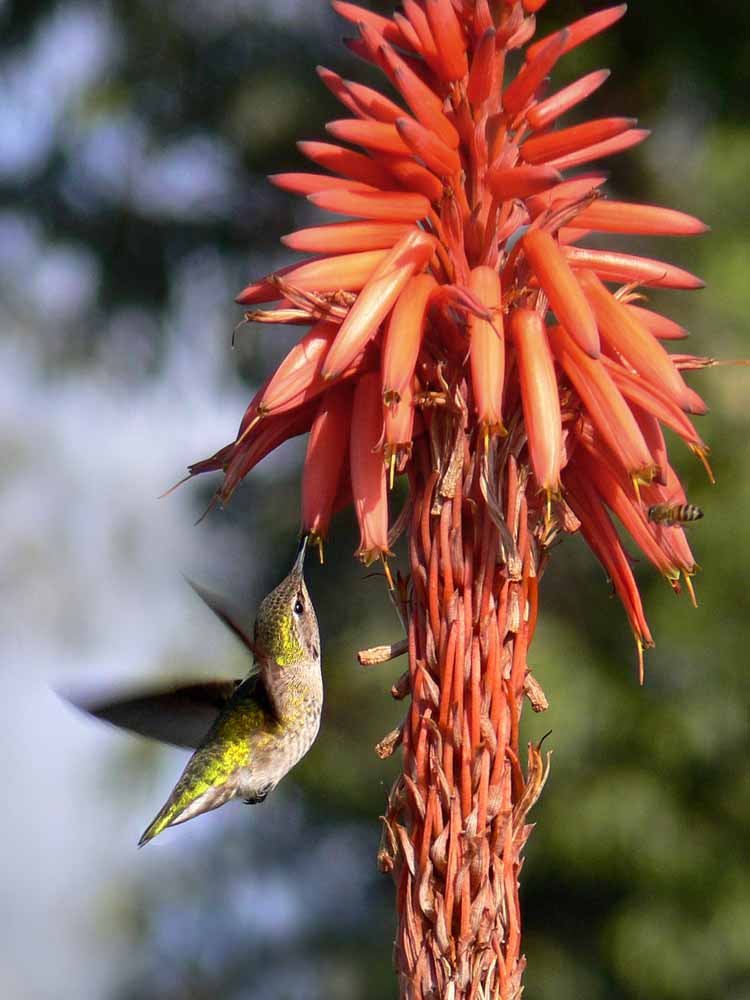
674,513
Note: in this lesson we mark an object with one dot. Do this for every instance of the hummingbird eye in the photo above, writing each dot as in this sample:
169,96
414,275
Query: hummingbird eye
299,607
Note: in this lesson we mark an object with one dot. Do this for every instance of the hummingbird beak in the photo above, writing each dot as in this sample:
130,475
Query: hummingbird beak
299,563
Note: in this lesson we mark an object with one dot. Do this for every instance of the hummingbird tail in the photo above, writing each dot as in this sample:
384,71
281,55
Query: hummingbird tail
181,807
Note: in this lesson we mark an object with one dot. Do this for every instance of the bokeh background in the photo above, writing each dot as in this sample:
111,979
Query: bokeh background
134,140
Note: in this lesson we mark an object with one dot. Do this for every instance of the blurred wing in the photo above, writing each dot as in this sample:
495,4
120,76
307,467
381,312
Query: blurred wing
181,716
220,608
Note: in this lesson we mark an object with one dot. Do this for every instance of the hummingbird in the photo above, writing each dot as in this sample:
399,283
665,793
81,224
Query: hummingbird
247,734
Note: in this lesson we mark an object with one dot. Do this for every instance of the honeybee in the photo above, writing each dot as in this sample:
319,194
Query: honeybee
674,513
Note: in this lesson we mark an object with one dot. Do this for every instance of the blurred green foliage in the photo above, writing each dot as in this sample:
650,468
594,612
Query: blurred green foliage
637,881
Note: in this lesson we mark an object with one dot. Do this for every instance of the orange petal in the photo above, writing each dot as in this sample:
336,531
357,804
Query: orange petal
580,31
449,39
424,103
372,104
487,351
602,538
386,27
301,183
547,111
562,289
403,336
522,89
338,88
660,326
299,367
418,20
262,440
621,217
565,193
413,176
656,402
396,206
325,458
369,487
521,182
654,438
430,149
379,136
552,145
398,430
347,162
539,395
482,72
346,272
410,254
346,237
628,509
624,267
609,412
622,330
597,151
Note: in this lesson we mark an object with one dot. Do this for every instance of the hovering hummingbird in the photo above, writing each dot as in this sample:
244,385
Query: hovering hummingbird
248,734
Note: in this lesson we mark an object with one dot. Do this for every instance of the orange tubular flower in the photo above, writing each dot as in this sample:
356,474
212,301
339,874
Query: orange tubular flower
462,224
325,460
368,472
540,397
487,351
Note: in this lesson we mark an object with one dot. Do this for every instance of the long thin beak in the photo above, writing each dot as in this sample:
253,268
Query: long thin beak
299,563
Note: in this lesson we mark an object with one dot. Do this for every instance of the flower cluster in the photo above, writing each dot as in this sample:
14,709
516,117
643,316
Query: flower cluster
458,274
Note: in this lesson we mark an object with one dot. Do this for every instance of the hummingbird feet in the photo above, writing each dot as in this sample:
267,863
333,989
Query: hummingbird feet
259,796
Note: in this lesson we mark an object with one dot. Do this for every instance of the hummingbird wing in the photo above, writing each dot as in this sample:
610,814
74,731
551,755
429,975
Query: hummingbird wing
230,617
180,715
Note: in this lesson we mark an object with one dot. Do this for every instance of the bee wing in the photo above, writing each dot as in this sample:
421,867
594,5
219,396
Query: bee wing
180,715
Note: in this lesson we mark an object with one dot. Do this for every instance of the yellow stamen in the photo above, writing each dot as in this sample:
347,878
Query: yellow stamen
691,589
702,454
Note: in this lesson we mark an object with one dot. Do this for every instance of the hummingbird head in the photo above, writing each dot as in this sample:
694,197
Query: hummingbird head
286,628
